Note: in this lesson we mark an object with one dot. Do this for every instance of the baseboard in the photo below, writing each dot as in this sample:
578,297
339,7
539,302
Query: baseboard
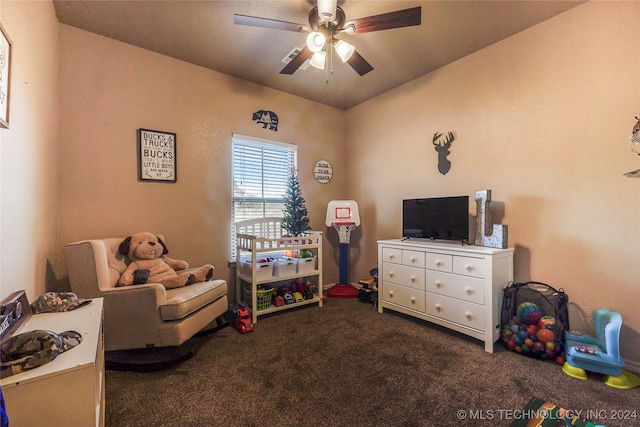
633,366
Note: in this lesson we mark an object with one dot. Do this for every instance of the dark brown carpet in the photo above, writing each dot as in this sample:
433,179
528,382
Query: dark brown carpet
347,365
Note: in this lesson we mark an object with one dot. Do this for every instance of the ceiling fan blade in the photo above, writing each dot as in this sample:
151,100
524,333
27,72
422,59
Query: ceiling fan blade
297,61
385,21
359,64
254,21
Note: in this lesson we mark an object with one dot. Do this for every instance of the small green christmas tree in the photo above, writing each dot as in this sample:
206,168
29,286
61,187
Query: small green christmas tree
294,221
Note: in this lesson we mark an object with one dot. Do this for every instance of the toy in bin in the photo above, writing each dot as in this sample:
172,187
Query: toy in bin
283,290
307,294
240,317
298,285
531,333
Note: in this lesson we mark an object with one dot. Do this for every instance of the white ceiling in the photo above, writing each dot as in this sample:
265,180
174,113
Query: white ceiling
203,33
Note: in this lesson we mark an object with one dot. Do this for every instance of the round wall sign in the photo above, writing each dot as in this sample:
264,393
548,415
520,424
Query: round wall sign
323,171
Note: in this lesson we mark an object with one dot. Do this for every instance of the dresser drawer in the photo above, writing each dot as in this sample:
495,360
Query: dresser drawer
439,262
404,275
454,310
404,296
413,258
469,266
462,287
392,255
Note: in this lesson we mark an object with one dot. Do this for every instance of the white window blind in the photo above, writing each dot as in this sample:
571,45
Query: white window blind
260,174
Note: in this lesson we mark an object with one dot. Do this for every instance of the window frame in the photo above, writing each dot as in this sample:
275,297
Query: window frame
271,148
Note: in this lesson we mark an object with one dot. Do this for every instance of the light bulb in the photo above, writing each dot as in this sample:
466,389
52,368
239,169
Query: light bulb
318,59
344,50
315,41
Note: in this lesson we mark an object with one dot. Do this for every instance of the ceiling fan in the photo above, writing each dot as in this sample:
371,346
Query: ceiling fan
326,20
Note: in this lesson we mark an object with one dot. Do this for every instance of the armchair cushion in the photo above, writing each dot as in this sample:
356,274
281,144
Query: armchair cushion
181,302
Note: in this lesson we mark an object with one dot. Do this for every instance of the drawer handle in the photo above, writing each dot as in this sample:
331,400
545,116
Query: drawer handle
413,279
438,307
468,290
467,314
391,256
391,294
468,267
413,300
413,259
391,273
439,263
438,284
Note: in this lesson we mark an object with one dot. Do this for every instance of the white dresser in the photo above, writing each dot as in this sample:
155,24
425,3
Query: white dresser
458,287
69,391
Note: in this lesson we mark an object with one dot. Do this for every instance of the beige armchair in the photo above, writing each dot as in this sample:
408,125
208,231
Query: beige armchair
140,316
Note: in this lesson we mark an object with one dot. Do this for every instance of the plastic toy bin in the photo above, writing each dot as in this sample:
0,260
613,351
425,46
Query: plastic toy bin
263,296
306,265
284,267
264,270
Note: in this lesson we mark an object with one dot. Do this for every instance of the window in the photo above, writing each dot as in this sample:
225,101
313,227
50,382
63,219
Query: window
260,174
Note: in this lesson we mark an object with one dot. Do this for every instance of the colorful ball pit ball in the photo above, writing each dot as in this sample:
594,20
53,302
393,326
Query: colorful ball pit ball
545,335
533,318
538,347
529,312
548,322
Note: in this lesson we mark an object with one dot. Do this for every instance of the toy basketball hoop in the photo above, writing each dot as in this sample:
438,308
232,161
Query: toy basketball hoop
344,230
343,215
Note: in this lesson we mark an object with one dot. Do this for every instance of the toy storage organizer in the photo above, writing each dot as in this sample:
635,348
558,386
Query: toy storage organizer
261,238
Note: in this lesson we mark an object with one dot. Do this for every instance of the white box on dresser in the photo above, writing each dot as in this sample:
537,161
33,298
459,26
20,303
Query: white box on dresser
455,286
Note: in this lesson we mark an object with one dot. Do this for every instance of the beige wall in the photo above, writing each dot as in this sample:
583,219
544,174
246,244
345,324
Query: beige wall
541,119
110,89
29,150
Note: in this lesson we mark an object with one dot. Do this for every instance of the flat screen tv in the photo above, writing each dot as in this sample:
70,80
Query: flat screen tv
436,218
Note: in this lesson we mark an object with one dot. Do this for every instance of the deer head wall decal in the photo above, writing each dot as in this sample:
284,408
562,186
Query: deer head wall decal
443,151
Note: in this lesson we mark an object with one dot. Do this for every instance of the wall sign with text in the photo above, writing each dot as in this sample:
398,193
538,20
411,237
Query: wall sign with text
322,171
156,156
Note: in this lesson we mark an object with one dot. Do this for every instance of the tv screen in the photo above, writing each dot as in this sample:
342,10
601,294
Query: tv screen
436,218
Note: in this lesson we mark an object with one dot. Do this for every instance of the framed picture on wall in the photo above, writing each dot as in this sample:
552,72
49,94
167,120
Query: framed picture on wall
5,74
156,156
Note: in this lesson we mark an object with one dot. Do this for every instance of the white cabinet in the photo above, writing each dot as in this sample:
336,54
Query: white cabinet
256,239
69,390
455,286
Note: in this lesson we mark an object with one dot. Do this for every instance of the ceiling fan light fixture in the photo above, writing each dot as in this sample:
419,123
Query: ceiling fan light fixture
344,50
318,59
316,41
